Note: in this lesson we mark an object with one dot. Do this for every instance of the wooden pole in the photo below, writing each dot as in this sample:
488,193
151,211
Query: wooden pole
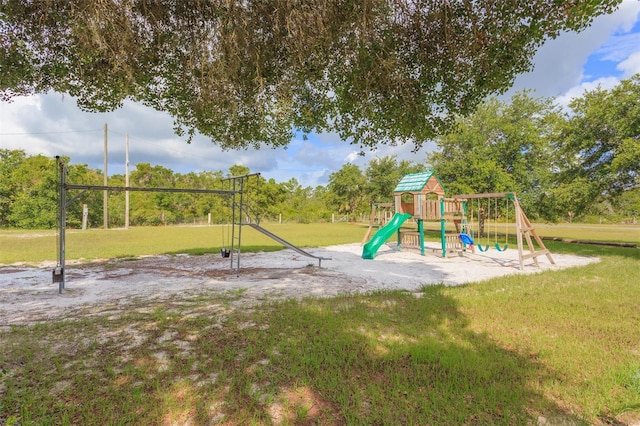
105,197
126,180
519,231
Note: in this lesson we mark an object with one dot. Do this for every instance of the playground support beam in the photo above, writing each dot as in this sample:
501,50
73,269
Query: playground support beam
133,188
486,195
239,209
58,272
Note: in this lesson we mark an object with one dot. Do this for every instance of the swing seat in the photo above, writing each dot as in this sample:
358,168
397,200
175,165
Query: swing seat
225,252
466,239
483,249
501,248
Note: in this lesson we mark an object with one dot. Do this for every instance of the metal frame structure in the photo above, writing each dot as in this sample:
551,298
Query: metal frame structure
64,203
239,208
242,215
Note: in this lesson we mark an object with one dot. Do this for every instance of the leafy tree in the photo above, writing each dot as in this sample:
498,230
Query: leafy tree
81,173
601,140
29,191
35,201
270,199
503,146
565,200
201,204
383,175
303,204
116,203
317,206
151,208
347,186
10,160
628,204
249,72
238,170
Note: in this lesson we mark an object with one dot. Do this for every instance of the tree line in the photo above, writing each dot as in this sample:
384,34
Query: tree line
562,164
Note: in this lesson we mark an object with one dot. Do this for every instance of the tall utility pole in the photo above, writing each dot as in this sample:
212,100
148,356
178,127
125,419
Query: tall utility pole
105,202
126,183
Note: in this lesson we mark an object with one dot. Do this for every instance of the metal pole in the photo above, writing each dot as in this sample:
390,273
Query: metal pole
240,222
58,273
232,185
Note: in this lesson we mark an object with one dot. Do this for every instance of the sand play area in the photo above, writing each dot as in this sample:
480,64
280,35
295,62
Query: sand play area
28,295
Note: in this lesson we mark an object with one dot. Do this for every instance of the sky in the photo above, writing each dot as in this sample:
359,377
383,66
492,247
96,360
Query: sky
52,124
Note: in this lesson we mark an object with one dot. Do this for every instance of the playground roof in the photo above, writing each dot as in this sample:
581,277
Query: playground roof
416,182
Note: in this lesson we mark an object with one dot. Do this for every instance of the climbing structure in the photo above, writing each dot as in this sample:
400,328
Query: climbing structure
422,196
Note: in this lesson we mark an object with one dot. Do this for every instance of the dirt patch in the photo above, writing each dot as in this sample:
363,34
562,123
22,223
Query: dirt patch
28,295
10,271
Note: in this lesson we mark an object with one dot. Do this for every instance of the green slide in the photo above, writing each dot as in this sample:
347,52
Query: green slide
379,238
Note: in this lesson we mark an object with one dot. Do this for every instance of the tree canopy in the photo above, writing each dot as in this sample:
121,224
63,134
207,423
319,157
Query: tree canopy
251,72
502,146
601,139
559,162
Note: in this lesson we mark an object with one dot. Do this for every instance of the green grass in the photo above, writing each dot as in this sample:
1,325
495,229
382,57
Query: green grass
38,246
564,345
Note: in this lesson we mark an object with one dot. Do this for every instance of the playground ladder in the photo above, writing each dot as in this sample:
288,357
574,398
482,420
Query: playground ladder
527,230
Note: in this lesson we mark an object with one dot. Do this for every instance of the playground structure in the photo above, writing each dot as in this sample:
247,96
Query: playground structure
241,214
421,196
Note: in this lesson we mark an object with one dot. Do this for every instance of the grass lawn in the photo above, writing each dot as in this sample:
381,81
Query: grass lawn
559,346
37,246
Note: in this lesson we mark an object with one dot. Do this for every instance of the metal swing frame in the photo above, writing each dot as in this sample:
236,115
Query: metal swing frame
64,202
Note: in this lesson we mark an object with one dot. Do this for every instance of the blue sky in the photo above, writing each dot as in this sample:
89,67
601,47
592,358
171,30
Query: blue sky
51,124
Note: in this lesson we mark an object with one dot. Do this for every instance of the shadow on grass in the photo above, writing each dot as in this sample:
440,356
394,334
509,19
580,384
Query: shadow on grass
393,358
378,359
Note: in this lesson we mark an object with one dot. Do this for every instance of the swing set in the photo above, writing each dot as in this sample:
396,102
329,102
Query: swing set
488,211
484,213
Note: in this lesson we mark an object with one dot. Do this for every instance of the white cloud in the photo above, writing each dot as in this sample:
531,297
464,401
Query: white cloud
619,47
352,157
51,124
631,65
604,83
559,63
